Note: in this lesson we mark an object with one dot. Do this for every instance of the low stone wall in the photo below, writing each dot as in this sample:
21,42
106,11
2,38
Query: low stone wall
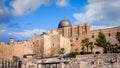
81,61
95,61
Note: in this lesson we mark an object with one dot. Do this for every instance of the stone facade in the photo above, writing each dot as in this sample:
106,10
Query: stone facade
78,32
50,43
7,51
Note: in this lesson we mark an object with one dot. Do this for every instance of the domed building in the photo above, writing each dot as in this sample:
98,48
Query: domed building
64,23
50,43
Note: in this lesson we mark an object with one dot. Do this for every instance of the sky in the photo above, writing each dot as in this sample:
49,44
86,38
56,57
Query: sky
20,19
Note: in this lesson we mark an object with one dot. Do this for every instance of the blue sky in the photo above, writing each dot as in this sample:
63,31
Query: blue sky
22,18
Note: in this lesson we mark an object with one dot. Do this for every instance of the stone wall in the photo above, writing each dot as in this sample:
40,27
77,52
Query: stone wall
38,42
78,32
6,51
109,31
22,48
49,44
65,43
81,61
95,61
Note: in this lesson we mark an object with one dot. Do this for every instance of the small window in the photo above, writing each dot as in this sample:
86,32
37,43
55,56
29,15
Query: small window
53,44
109,34
92,36
77,38
71,40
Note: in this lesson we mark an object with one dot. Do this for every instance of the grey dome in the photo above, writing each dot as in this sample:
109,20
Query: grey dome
64,23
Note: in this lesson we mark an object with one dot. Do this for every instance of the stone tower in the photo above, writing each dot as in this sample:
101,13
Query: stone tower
11,40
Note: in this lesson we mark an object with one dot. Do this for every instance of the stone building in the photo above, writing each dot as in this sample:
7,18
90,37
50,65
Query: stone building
50,43
78,32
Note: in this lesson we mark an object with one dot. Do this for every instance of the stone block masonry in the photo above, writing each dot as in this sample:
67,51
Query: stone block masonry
50,43
81,61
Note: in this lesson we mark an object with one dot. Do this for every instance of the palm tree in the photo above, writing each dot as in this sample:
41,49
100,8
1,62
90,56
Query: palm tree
85,42
83,45
118,36
91,46
109,46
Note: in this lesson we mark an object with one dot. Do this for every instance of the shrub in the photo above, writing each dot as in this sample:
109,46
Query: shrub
97,52
83,53
62,51
73,54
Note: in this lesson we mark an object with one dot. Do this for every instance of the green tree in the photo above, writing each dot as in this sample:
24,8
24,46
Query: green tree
116,47
62,51
85,42
118,36
91,46
109,46
83,45
101,41
72,55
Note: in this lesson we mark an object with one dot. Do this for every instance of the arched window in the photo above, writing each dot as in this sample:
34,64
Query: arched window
92,35
78,30
109,34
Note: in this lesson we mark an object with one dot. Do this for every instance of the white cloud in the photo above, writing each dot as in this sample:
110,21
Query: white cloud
80,17
27,33
62,3
101,13
21,7
5,14
100,27
2,30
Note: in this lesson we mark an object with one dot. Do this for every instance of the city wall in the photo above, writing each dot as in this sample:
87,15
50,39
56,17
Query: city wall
19,49
49,44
